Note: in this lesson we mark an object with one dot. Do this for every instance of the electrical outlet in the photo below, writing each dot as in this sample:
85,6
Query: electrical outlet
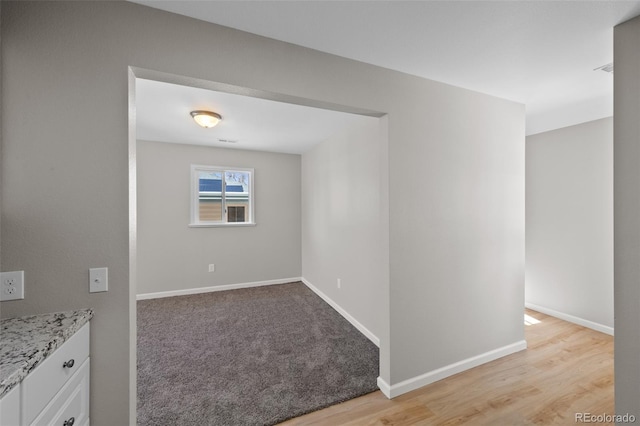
11,285
212,267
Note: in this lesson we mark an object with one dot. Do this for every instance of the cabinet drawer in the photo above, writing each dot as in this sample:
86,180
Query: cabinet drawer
42,384
71,404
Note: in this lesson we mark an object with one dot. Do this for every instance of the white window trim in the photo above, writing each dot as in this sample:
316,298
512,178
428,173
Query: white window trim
195,189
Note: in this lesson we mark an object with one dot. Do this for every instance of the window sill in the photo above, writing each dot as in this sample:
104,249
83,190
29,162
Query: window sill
221,225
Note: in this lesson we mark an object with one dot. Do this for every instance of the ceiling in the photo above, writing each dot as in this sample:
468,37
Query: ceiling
163,114
539,53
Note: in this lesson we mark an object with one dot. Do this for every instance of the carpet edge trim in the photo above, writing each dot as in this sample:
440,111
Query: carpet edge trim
392,391
361,328
198,290
570,318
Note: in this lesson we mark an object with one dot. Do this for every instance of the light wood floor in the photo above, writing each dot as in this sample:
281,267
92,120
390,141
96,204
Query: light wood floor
567,369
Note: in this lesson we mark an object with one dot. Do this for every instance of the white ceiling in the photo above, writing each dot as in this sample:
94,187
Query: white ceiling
540,53
163,114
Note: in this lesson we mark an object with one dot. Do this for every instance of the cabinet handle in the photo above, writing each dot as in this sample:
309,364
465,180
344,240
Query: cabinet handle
69,422
68,364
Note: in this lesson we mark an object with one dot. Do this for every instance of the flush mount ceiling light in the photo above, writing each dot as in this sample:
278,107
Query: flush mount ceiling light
206,119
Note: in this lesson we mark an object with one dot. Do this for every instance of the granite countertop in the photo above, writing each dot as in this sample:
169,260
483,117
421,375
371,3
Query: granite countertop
26,341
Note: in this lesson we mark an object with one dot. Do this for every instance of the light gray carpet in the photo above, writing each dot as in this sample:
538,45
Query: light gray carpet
254,356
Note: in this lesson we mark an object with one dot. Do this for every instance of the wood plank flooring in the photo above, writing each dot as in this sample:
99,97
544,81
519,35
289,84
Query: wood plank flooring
567,369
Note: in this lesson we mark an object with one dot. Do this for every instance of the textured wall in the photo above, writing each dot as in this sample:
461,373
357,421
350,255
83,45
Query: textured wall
626,207
457,227
172,256
569,221
344,221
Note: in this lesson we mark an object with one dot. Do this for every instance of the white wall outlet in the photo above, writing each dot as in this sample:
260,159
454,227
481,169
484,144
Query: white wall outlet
339,283
11,285
212,267
98,280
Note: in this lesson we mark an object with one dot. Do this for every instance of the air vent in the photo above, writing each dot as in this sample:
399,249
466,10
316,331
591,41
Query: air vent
606,68
228,140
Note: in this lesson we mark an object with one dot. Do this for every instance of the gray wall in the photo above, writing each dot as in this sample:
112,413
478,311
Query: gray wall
172,256
456,186
345,219
626,181
569,221
457,227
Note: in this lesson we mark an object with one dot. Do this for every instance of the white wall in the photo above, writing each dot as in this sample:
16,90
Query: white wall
173,256
456,180
626,168
345,221
569,223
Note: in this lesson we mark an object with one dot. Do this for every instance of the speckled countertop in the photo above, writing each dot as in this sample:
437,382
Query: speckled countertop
26,341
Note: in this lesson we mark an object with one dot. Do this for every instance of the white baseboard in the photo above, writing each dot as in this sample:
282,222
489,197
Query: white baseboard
199,290
392,391
384,387
570,318
368,334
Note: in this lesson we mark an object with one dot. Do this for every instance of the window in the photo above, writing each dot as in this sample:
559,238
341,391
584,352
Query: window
221,196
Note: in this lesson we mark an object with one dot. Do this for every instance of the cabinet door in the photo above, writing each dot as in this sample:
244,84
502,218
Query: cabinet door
10,408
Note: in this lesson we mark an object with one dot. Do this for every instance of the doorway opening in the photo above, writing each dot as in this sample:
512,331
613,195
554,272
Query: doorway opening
304,196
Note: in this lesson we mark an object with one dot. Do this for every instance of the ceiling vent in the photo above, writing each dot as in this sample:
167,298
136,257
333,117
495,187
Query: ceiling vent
606,68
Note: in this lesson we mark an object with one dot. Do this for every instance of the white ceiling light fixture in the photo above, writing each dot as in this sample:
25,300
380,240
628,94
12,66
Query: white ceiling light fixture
206,119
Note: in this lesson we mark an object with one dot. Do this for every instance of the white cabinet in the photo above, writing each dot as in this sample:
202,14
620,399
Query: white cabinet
10,408
56,392
70,406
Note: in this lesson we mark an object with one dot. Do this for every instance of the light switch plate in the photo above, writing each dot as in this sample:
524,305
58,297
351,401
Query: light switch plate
98,280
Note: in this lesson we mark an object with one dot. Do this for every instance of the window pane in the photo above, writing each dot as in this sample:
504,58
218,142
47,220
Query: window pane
236,214
237,195
210,196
